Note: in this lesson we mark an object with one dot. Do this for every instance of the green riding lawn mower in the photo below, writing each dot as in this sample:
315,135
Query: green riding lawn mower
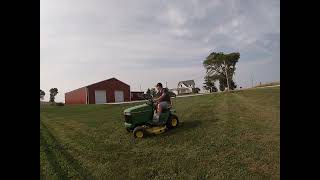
139,119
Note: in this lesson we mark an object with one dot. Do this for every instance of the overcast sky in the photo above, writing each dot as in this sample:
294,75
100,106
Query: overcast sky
143,42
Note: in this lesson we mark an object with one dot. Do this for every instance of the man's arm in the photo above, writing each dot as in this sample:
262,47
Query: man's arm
160,98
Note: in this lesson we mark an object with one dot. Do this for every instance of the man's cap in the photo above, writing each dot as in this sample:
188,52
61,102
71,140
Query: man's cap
159,84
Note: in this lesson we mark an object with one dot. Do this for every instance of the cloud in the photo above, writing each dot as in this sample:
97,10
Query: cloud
149,41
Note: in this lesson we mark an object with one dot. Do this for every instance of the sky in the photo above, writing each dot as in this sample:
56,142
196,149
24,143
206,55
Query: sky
144,42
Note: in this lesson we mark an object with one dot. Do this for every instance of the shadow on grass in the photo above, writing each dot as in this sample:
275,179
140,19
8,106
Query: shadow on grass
183,126
187,125
52,157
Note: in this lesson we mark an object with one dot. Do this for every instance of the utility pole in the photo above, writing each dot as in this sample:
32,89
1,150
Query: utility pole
166,84
251,80
225,67
140,87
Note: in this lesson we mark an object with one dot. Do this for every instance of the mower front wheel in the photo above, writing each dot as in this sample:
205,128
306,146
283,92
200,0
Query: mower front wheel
139,132
172,122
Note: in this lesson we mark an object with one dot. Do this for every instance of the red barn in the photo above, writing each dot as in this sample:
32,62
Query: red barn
107,91
137,95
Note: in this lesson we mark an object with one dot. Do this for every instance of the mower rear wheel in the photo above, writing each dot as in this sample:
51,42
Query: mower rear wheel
139,132
172,122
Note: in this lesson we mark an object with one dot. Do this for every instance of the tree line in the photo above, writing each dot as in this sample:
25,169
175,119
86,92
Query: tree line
53,92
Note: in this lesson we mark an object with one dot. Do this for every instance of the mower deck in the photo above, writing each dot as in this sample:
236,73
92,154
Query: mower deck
155,129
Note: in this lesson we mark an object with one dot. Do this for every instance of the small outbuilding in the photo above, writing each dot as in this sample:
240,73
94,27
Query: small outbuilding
137,95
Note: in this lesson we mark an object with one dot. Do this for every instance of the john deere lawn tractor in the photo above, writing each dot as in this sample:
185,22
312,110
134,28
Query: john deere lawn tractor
139,120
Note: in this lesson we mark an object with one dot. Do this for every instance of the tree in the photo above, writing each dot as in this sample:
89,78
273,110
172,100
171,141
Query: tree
148,94
209,85
223,84
42,94
195,90
221,67
153,92
53,93
171,93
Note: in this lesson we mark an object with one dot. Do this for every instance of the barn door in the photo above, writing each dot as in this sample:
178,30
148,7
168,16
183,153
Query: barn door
118,96
100,96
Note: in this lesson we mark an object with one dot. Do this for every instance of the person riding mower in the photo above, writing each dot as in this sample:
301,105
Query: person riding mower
154,117
162,102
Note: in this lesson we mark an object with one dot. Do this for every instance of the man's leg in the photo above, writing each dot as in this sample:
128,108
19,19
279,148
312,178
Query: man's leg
159,109
157,115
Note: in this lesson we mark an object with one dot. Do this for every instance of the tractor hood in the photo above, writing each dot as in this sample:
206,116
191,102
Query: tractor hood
138,109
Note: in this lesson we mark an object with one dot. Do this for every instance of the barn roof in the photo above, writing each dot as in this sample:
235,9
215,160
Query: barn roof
97,83
106,80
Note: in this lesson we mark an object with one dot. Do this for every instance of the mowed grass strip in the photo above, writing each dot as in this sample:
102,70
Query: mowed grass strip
221,136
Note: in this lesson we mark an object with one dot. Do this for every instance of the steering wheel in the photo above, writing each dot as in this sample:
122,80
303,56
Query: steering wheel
150,101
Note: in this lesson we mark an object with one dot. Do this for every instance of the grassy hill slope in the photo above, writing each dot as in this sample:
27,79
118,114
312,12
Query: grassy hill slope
221,136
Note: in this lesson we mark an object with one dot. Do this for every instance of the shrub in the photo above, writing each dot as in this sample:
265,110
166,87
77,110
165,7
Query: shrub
195,90
59,104
172,94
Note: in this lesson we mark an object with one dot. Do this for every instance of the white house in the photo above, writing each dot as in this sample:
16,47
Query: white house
184,87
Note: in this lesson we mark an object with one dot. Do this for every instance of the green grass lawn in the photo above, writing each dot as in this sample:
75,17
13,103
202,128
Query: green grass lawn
221,136
269,84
